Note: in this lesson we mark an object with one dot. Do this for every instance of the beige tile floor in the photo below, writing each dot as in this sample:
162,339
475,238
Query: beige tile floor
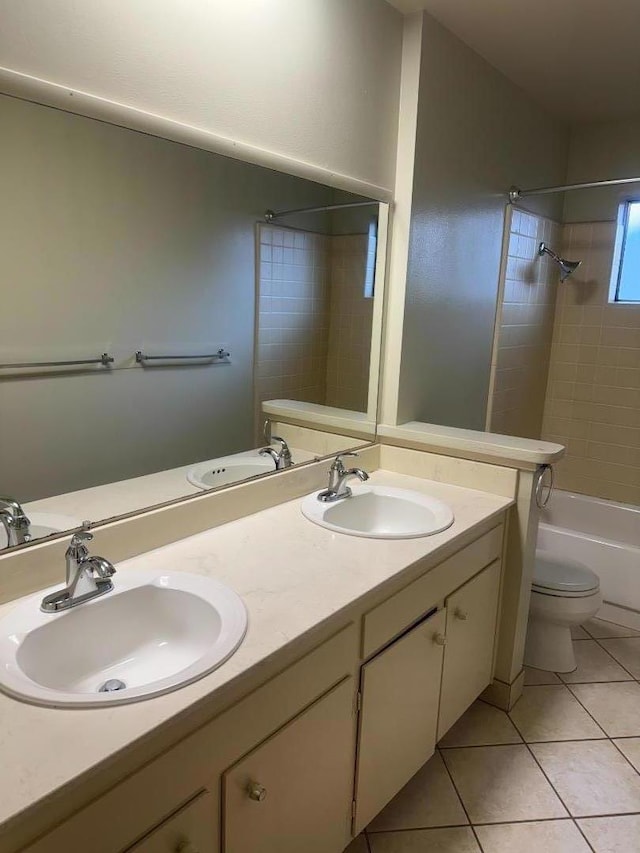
559,774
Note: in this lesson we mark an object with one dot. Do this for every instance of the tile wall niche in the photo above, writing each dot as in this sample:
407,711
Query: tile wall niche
593,395
524,327
313,329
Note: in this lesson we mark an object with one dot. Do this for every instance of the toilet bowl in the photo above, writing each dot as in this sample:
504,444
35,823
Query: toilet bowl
564,594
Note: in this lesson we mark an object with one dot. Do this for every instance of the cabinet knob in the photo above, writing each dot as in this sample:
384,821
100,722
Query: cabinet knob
186,847
461,614
256,792
439,639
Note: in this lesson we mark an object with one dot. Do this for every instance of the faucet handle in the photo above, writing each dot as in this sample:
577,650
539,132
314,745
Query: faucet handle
337,462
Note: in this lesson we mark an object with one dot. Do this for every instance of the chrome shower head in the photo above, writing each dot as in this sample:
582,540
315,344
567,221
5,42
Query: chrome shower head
566,267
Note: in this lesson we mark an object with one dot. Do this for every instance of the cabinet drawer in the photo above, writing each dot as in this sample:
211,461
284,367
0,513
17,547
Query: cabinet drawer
468,656
294,792
190,830
394,615
398,718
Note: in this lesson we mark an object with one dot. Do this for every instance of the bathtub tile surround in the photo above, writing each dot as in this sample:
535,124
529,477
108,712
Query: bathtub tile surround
550,775
524,326
593,395
314,321
293,316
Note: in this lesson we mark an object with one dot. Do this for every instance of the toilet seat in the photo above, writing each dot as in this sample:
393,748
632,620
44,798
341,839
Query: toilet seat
562,578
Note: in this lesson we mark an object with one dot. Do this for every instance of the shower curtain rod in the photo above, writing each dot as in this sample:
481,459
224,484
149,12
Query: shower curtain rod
515,193
270,215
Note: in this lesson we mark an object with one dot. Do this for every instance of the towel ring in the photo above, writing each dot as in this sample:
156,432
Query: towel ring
542,499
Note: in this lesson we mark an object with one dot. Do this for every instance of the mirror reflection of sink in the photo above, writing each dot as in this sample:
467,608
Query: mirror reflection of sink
380,512
154,632
44,524
221,472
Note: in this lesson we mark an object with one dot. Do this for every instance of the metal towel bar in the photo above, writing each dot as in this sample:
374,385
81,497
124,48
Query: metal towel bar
142,357
105,360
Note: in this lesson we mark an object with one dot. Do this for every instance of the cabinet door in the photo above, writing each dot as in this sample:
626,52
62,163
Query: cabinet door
294,792
468,655
400,691
193,829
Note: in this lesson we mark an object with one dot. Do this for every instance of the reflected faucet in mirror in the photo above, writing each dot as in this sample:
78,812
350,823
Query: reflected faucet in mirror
281,458
87,577
15,522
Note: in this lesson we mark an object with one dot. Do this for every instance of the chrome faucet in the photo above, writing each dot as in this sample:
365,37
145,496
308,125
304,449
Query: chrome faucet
87,577
281,458
338,476
15,522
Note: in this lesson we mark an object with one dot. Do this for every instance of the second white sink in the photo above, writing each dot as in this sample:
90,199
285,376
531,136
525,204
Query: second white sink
381,512
232,469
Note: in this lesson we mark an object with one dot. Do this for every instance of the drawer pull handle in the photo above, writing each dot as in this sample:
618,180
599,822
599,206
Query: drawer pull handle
440,639
461,614
256,792
186,847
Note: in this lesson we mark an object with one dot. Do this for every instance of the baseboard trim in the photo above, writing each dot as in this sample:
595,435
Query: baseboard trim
503,695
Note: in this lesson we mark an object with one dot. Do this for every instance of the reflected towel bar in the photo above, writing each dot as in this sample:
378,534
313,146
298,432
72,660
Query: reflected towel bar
105,360
221,354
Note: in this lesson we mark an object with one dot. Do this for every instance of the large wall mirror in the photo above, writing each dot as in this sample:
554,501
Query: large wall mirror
151,311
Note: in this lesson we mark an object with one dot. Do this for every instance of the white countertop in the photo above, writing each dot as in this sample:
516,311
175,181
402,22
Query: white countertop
312,575
500,449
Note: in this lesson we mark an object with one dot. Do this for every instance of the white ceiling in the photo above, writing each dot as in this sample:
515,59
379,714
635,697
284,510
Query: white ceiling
579,58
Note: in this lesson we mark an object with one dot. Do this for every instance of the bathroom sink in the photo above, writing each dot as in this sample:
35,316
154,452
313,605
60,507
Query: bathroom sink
380,512
221,472
154,632
44,524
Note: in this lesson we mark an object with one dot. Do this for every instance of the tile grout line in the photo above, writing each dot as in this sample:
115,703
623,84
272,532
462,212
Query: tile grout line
464,808
553,788
607,736
604,649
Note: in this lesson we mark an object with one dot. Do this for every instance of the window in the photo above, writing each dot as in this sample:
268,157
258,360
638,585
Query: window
370,268
625,280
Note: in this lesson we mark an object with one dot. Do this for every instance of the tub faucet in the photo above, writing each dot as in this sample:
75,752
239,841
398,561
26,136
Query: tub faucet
15,522
281,458
338,476
87,577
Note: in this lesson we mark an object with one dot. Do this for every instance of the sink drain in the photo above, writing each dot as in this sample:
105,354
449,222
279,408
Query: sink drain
112,685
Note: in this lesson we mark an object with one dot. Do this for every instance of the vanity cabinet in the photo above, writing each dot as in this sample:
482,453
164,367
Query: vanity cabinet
470,640
294,791
400,688
312,754
193,829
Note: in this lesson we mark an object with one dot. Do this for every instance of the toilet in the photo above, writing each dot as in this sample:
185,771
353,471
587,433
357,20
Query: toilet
564,593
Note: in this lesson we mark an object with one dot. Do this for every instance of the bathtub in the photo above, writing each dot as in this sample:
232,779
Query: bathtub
605,536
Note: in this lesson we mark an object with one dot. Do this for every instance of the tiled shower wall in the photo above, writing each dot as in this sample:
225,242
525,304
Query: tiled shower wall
593,396
351,316
524,328
292,331
313,328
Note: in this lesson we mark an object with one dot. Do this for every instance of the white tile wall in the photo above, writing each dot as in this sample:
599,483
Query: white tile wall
524,327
